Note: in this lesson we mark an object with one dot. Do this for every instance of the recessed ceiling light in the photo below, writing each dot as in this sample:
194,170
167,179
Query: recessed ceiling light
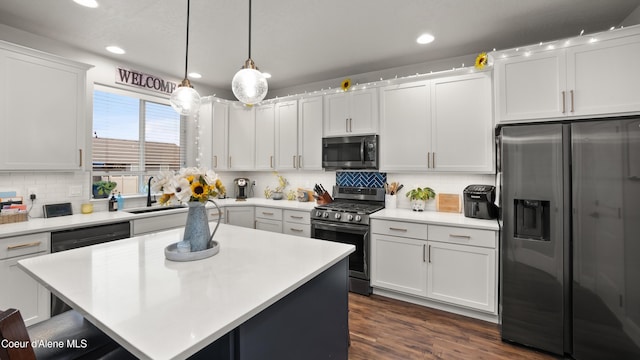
115,49
266,75
425,39
195,75
87,3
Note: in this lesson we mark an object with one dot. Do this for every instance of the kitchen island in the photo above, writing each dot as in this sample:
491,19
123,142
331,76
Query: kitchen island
264,296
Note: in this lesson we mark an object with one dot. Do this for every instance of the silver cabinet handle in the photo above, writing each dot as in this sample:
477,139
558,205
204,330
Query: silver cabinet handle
294,161
295,217
296,230
429,160
215,161
267,213
350,125
564,102
424,250
460,236
346,124
571,92
22,246
429,254
80,151
299,161
271,161
397,229
433,159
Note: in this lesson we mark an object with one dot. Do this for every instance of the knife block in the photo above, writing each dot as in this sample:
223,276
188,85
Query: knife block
324,199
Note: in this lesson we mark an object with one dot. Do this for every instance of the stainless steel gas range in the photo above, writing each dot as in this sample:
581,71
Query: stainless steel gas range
346,220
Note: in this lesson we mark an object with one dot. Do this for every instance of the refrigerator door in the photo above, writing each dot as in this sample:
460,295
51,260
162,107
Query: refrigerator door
532,248
606,239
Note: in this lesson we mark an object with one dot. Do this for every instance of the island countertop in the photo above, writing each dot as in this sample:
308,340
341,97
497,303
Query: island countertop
160,309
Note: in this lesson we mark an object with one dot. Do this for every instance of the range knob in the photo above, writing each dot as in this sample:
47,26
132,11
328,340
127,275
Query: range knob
337,216
358,217
349,217
325,215
318,213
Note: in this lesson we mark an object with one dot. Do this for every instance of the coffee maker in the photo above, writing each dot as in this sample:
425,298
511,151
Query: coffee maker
242,188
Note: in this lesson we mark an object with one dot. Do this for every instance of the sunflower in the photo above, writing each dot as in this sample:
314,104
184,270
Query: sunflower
200,191
481,60
346,84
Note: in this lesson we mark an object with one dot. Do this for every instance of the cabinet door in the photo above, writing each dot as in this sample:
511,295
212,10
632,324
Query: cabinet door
336,114
240,216
310,133
399,264
242,134
265,137
287,139
204,154
531,87
292,228
22,292
462,275
363,113
269,225
405,127
462,120
43,112
220,122
604,76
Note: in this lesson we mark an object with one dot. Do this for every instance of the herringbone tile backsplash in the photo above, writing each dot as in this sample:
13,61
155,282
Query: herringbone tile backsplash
361,178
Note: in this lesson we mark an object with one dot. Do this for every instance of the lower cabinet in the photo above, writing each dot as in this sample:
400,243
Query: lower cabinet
441,263
21,291
240,216
296,222
268,219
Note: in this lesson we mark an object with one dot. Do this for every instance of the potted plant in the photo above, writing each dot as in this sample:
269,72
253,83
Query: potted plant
102,189
278,192
419,197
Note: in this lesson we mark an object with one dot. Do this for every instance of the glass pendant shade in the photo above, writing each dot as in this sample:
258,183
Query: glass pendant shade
249,86
185,100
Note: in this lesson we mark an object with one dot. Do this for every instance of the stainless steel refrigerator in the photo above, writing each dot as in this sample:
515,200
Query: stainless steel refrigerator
570,237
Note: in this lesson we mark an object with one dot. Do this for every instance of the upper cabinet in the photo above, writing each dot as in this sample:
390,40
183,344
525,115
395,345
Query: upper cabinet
241,138
597,78
352,112
299,134
265,137
43,111
287,135
442,125
213,122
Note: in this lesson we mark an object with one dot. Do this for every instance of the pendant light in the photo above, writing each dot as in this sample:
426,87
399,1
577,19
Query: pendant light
185,99
249,85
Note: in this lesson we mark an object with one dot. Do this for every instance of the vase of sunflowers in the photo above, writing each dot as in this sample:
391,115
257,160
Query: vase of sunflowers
193,187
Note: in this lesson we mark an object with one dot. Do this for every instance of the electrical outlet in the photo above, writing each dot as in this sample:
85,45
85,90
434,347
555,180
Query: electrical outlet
75,190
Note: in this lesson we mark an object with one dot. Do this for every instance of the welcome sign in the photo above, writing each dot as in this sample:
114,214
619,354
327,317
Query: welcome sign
142,80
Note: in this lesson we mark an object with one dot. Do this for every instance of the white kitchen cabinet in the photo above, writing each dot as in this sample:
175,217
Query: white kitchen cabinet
352,112
242,138
21,291
43,110
269,219
310,133
405,127
296,222
399,263
213,122
448,264
265,137
240,216
592,79
462,275
462,124
287,135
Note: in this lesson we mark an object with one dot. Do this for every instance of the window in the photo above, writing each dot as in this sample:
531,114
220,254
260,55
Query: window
134,136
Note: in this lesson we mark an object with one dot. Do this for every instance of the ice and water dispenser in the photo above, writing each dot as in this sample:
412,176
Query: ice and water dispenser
531,219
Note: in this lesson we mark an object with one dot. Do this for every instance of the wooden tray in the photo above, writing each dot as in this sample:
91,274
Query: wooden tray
448,203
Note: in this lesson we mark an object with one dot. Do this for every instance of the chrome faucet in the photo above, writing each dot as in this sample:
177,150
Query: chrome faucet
149,201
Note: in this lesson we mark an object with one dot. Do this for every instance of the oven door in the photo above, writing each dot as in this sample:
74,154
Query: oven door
357,235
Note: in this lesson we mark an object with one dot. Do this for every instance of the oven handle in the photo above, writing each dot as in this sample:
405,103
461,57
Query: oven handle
332,226
362,150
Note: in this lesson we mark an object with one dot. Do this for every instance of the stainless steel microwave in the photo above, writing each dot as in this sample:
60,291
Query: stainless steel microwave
350,152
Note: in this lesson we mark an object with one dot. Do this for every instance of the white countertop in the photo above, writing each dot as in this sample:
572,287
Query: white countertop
103,217
436,218
159,309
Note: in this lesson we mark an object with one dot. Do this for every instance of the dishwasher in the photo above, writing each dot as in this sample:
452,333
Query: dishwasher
80,237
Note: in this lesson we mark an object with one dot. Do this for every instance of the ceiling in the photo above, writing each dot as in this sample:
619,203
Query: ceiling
304,41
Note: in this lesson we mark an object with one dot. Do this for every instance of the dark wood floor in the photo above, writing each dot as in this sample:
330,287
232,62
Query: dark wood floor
383,328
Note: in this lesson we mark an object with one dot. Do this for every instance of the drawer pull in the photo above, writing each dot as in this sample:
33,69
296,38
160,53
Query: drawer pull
297,230
397,229
460,236
267,213
295,217
22,246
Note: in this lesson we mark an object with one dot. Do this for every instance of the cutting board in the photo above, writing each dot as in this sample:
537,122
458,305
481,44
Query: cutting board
448,203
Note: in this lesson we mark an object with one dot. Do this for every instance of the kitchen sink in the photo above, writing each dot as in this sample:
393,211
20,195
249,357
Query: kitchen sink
153,209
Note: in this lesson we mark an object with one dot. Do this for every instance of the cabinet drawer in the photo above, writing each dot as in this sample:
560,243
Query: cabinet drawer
159,223
268,213
269,225
212,214
398,228
466,236
24,245
298,217
292,228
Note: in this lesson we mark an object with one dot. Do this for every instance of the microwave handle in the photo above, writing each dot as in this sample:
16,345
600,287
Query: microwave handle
362,150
